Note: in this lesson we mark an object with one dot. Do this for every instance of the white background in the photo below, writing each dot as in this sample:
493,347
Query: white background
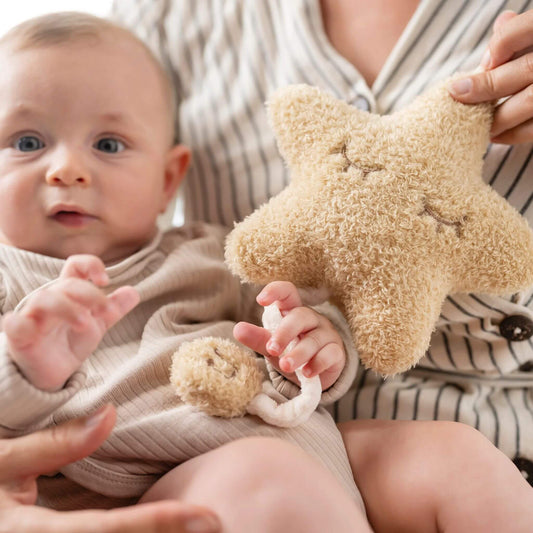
14,11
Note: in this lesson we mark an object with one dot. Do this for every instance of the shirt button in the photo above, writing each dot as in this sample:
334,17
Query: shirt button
361,103
526,367
516,328
526,468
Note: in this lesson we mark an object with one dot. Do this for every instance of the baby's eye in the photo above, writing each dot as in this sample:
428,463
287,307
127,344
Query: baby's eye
28,143
110,145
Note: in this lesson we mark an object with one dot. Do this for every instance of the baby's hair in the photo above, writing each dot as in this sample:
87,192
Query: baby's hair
56,28
70,26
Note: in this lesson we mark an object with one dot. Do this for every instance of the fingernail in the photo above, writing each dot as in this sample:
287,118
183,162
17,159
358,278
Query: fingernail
261,295
94,419
202,524
288,363
273,347
462,86
307,372
80,319
485,60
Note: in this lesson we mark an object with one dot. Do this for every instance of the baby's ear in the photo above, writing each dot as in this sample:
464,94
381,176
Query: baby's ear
308,122
176,166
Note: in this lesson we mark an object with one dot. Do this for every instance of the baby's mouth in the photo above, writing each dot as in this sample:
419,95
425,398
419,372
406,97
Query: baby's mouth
74,219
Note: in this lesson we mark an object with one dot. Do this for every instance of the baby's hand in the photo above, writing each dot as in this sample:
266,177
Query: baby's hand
319,347
507,72
61,325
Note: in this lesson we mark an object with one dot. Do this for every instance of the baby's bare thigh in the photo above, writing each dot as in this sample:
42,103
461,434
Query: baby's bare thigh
263,480
245,464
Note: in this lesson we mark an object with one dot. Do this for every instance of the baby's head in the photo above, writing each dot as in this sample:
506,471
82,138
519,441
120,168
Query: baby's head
87,160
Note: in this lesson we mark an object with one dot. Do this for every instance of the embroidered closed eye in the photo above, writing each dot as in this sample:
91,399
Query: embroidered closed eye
348,163
457,225
222,362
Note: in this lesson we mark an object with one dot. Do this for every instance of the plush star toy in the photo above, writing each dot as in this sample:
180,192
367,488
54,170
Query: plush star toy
389,213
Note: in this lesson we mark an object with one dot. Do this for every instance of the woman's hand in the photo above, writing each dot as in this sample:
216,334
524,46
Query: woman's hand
507,72
23,459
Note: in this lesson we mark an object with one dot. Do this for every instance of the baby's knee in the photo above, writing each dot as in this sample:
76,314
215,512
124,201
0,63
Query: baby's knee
439,447
456,442
417,452
428,455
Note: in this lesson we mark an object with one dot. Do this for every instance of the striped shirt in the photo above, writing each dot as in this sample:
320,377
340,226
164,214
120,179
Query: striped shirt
226,56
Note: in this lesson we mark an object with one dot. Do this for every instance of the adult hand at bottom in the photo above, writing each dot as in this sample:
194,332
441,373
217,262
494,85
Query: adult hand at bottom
23,459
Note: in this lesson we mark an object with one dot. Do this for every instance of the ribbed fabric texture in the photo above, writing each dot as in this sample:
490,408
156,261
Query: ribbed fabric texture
186,292
226,57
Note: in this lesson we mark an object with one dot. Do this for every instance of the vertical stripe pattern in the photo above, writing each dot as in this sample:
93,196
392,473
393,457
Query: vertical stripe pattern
228,55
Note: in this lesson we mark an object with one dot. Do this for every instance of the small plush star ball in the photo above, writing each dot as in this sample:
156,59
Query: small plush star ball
216,375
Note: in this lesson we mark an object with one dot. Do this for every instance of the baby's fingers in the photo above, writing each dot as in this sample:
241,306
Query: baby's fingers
308,348
20,330
293,324
45,310
71,300
87,267
283,292
252,336
329,358
119,303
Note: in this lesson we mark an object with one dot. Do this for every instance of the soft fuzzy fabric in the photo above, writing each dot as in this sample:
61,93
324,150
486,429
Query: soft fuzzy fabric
216,375
389,213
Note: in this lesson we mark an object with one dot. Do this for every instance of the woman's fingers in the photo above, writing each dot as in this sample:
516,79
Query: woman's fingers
512,34
514,112
24,458
161,517
507,76
520,134
491,85
50,449
157,517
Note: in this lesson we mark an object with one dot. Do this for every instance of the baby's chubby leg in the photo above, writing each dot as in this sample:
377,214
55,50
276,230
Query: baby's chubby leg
418,476
263,484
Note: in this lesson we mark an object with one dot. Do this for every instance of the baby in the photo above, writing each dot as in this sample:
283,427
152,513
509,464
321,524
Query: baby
95,299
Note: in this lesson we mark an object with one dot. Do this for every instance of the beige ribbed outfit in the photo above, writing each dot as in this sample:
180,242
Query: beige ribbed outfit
186,292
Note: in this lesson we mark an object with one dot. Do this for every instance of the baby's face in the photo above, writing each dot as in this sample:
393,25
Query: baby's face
84,149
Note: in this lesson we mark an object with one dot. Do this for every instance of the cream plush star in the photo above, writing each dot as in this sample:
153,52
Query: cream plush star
389,213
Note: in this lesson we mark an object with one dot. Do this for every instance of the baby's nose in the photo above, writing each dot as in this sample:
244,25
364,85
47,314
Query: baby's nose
68,169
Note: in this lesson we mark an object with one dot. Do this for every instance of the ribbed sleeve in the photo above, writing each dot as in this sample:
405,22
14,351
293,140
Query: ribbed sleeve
24,407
